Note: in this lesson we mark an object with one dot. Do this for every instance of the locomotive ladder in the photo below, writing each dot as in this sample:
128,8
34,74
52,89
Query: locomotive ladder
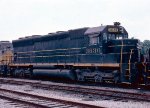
121,59
148,77
128,74
125,68
147,71
128,70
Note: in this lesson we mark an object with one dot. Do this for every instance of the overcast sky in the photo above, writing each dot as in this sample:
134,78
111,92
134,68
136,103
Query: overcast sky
19,18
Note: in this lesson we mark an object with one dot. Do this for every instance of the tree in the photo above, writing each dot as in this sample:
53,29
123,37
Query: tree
145,46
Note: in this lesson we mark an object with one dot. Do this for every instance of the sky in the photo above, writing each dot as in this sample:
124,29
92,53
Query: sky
19,18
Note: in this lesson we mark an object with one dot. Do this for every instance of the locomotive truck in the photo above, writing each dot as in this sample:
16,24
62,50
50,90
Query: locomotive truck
98,54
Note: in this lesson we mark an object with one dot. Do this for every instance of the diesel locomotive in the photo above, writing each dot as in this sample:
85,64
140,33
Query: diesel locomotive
98,54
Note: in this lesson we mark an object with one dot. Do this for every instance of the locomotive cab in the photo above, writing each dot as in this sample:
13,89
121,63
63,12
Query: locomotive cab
97,35
112,46
114,32
102,49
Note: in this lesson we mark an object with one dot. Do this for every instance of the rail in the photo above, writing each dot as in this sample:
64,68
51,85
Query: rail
41,101
84,90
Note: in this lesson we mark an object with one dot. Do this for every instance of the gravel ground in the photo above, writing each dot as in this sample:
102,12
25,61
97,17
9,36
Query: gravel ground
9,104
75,97
5,104
94,87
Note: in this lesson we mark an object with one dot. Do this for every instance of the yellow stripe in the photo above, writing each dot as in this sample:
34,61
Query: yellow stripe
23,65
57,55
23,57
120,45
142,84
130,61
121,51
51,50
126,83
98,65
113,65
72,55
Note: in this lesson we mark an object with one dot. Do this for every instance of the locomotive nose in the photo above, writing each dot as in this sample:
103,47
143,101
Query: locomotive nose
126,43
124,48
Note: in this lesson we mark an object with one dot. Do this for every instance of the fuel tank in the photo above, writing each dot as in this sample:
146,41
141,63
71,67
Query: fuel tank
55,73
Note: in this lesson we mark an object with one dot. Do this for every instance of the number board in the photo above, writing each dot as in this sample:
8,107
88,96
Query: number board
113,30
93,50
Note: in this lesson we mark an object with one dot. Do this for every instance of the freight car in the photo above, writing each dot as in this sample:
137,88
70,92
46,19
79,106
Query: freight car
96,54
6,55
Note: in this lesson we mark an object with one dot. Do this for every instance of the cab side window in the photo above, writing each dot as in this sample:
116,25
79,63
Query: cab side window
94,40
105,36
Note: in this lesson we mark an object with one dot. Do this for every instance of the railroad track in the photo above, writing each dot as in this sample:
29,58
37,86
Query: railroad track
6,103
40,101
84,90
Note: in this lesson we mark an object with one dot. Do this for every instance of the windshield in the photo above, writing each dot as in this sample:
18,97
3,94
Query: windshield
113,36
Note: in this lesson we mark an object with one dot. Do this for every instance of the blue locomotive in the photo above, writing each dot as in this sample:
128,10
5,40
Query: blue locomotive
96,54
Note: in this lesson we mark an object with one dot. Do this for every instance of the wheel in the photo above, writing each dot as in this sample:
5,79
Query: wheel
98,78
116,80
81,78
